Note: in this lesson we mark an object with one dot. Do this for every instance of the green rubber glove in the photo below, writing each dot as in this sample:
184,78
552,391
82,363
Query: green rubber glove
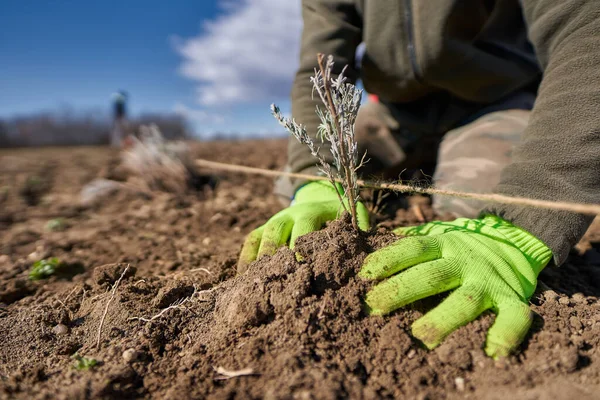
491,263
314,204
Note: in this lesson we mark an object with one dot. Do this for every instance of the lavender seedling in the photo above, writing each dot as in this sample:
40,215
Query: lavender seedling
341,101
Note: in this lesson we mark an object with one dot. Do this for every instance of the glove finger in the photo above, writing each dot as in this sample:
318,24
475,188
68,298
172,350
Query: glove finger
513,321
400,255
362,215
307,225
249,249
276,233
459,308
407,230
416,283
431,228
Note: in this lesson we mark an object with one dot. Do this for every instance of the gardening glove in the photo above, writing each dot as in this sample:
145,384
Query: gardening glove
314,204
491,263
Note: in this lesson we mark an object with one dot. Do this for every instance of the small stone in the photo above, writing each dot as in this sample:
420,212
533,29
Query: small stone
550,295
216,217
206,241
130,355
460,384
60,329
564,300
411,354
575,323
579,298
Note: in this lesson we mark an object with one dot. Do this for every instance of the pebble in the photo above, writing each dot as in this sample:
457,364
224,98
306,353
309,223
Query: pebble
130,355
460,384
550,295
411,354
564,300
60,329
579,298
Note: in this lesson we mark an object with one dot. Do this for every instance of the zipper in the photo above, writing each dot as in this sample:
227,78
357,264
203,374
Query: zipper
410,36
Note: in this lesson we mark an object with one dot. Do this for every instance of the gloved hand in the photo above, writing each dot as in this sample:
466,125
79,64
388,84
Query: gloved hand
492,263
314,204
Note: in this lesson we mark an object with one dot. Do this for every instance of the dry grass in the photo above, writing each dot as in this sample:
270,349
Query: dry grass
158,163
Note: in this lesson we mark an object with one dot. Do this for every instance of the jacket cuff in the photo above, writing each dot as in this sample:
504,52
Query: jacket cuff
535,249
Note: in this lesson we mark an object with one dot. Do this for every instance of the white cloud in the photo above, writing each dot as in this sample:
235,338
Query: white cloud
249,53
198,116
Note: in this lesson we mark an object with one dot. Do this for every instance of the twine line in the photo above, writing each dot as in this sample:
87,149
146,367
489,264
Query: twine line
588,209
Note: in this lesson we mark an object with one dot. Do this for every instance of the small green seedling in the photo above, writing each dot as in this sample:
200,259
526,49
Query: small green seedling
44,268
83,363
56,225
33,181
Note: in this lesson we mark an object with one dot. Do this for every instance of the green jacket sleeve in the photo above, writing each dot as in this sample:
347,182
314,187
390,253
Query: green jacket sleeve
331,27
559,156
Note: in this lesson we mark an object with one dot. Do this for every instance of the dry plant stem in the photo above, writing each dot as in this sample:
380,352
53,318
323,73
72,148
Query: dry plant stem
418,213
226,374
587,209
325,72
112,296
299,132
201,270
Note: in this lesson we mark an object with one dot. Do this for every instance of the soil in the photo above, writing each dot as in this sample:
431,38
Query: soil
290,327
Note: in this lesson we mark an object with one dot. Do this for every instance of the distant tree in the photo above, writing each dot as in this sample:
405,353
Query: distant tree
67,128
3,134
171,126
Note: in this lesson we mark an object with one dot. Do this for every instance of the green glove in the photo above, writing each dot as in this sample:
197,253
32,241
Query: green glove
314,204
492,263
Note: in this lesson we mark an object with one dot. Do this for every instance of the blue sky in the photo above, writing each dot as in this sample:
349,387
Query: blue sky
196,57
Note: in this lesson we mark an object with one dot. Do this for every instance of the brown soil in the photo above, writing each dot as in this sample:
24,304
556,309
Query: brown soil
296,329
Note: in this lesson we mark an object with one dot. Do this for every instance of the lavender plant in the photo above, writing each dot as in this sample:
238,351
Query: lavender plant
341,101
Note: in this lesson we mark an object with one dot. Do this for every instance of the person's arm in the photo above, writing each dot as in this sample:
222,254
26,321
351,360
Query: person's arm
493,262
332,27
559,156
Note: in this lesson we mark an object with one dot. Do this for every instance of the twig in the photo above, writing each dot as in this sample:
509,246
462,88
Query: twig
226,374
201,269
178,304
418,213
112,296
71,292
581,208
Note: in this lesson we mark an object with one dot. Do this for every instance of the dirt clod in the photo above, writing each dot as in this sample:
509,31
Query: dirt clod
130,355
106,275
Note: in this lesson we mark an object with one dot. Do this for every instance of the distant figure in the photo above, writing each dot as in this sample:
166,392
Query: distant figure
119,128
